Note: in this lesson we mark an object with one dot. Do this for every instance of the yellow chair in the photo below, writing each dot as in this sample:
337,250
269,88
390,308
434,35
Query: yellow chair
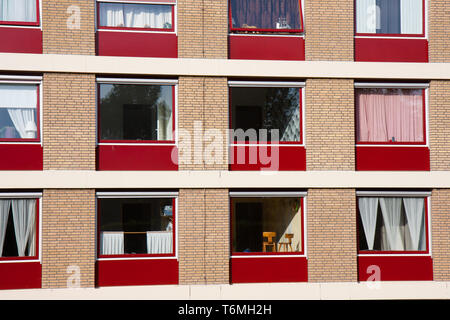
270,241
286,244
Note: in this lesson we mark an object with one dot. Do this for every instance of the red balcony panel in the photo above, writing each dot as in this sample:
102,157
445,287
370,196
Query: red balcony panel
391,50
266,47
137,272
137,44
372,158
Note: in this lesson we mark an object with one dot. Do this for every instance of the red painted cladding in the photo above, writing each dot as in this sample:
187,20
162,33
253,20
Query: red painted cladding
137,44
266,47
396,268
20,40
282,158
21,157
392,158
391,50
20,275
270,269
137,272
138,157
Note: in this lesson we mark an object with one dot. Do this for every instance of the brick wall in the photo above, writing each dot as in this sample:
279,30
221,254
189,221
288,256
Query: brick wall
203,236
439,124
330,128
439,30
68,237
203,123
440,228
331,234
69,125
68,27
329,30
203,29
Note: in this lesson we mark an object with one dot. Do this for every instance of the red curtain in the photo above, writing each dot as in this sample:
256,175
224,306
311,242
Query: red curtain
264,14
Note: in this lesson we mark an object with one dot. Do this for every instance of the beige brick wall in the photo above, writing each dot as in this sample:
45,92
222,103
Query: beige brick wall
329,30
203,236
203,123
203,29
439,124
68,237
68,26
69,125
440,234
331,235
439,30
330,128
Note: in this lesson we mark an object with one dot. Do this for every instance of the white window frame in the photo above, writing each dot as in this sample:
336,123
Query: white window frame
394,85
37,80
274,194
27,195
140,195
410,194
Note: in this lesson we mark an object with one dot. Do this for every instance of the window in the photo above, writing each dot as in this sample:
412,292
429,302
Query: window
136,225
270,15
264,112
18,227
136,16
390,115
24,12
19,112
399,17
266,224
136,112
397,222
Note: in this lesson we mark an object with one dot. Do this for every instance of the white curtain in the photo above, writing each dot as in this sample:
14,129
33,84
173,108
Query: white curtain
391,211
18,10
368,212
366,16
159,242
4,212
414,209
411,16
111,242
135,15
20,101
24,216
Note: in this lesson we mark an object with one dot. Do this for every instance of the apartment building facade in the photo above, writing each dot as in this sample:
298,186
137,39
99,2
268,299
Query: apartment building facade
181,142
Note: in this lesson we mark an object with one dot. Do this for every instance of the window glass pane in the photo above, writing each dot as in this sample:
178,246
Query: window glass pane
135,15
389,115
270,14
18,115
18,10
268,109
392,224
267,225
136,226
17,227
389,16
136,112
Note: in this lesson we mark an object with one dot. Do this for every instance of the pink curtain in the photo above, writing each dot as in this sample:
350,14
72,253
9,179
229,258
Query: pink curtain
389,115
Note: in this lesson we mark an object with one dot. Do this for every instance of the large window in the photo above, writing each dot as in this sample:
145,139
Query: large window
266,224
262,112
390,115
390,17
270,15
396,222
137,15
136,112
18,227
136,225
24,12
19,112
